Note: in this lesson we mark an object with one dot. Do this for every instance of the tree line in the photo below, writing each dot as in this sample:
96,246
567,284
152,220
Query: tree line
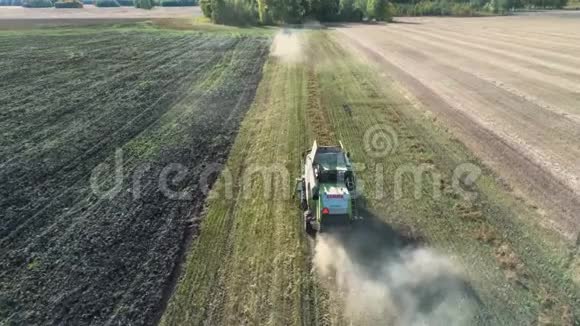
267,12
468,7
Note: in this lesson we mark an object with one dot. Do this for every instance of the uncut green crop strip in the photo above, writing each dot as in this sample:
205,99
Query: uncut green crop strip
68,100
251,263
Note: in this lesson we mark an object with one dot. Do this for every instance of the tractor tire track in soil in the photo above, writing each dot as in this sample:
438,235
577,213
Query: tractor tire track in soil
68,255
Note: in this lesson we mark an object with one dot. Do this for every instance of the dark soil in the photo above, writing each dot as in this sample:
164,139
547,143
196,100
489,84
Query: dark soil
67,104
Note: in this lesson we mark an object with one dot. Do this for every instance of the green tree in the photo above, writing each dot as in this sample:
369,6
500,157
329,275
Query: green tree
206,8
349,11
287,11
144,4
263,14
502,6
362,5
326,10
377,9
234,12
218,11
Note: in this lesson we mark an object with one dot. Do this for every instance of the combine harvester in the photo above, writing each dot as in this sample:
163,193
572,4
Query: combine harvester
326,188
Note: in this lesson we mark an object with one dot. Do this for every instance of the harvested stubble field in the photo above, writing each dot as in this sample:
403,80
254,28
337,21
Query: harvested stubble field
138,101
253,264
509,87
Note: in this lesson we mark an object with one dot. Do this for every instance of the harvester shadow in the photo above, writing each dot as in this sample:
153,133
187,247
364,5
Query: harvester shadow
380,251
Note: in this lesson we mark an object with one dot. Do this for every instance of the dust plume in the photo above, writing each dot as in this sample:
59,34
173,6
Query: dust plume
385,285
287,46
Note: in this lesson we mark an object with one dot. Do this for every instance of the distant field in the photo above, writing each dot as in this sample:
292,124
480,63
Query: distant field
135,100
18,17
91,12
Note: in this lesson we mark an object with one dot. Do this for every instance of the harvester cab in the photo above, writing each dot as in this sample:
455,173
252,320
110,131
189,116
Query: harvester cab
326,188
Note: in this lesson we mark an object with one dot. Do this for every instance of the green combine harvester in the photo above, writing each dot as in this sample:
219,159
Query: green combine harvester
327,188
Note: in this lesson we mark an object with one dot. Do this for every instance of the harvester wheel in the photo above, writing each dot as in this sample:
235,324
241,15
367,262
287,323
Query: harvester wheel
302,194
307,225
310,230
